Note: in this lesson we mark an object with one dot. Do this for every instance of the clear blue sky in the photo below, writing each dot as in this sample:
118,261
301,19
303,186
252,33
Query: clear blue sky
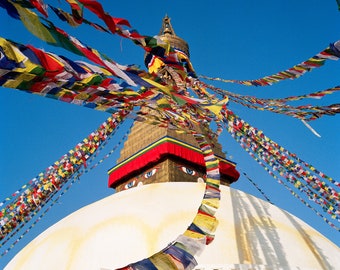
229,39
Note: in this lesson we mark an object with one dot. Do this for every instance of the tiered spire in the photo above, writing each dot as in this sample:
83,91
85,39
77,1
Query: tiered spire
167,27
167,33
154,154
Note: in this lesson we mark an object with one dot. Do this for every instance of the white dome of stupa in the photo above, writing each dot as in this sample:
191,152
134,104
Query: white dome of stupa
134,224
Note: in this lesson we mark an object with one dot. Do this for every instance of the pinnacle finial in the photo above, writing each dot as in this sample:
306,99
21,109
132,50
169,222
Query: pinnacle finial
167,27
167,33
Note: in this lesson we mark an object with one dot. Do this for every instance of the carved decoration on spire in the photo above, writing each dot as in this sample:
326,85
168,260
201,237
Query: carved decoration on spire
167,27
167,33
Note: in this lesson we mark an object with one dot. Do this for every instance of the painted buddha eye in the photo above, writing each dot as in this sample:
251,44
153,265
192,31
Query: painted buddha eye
150,173
130,184
188,171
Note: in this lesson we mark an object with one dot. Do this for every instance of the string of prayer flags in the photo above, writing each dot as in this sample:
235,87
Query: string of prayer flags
35,180
271,172
330,53
280,181
35,71
286,165
180,254
63,188
315,95
257,187
22,207
129,76
57,37
47,31
48,205
285,158
97,9
67,17
279,105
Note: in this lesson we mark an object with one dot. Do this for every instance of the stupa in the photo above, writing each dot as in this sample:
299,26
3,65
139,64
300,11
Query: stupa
159,179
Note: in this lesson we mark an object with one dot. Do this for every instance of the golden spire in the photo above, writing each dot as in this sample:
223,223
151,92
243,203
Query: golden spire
150,148
167,27
168,34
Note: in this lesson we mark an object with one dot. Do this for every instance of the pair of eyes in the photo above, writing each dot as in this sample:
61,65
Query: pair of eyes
145,175
154,170
183,168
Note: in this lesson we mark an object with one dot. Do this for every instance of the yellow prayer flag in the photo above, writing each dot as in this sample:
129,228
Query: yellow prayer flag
155,65
29,66
24,77
209,163
128,93
212,202
102,107
206,223
162,102
163,88
300,68
217,107
163,261
33,24
82,96
213,181
11,51
193,234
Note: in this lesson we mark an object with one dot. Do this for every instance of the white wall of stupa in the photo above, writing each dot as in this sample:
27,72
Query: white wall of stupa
134,224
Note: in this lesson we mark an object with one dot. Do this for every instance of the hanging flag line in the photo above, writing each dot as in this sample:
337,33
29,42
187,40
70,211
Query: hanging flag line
273,101
55,199
29,69
22,189
35,180
283,157
271,173
326,54
58,37
180,254
312,112
51,204
302,112
122,140
42,188
30,219
299,160
284,163
330,53
257,187
83,84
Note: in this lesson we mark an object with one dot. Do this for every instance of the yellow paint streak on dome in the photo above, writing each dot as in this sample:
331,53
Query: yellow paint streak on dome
61,243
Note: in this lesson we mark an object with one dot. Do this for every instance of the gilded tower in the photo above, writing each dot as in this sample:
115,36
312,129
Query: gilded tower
154,154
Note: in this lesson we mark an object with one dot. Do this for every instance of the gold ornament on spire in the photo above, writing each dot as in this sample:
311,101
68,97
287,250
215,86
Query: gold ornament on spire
168,34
